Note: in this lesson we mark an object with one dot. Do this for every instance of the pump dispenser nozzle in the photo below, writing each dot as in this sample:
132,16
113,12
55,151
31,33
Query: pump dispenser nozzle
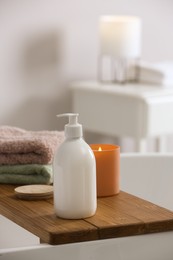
72,129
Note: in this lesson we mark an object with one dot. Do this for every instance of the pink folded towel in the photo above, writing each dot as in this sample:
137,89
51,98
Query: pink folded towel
18,146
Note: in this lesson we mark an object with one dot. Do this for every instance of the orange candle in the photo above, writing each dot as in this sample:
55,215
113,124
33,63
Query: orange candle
107,168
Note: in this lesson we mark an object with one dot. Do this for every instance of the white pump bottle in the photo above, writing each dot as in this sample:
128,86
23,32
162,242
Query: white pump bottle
75,194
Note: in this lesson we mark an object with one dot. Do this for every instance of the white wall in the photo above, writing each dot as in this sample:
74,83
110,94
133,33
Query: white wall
44,44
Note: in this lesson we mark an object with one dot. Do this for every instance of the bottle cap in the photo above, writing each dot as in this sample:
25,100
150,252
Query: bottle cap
72,129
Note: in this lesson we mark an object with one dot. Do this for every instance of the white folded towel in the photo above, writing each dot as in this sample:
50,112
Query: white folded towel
155,73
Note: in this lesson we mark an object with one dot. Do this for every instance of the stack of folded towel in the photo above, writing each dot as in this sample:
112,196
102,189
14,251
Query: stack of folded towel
26,157
160,73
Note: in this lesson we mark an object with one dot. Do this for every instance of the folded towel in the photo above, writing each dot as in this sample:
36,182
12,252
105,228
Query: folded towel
18,146
26,174
160,73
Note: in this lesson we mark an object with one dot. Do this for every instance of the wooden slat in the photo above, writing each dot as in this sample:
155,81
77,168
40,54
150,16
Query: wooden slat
39,218
6,190
125,215
116,216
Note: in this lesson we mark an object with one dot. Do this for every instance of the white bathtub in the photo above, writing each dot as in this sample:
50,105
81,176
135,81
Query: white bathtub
148,176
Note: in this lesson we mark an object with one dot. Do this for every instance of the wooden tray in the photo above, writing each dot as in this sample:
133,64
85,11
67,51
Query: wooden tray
117,216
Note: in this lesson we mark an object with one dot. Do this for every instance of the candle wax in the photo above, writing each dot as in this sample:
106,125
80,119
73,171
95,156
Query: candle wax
107,168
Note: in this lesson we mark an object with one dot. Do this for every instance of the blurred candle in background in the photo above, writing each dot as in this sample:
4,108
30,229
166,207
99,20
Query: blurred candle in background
120,47
107,168
120,36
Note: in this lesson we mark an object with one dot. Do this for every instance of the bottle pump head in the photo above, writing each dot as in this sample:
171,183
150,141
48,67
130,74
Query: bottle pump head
72,129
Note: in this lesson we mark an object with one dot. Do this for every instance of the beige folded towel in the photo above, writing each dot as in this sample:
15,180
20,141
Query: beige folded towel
18,146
